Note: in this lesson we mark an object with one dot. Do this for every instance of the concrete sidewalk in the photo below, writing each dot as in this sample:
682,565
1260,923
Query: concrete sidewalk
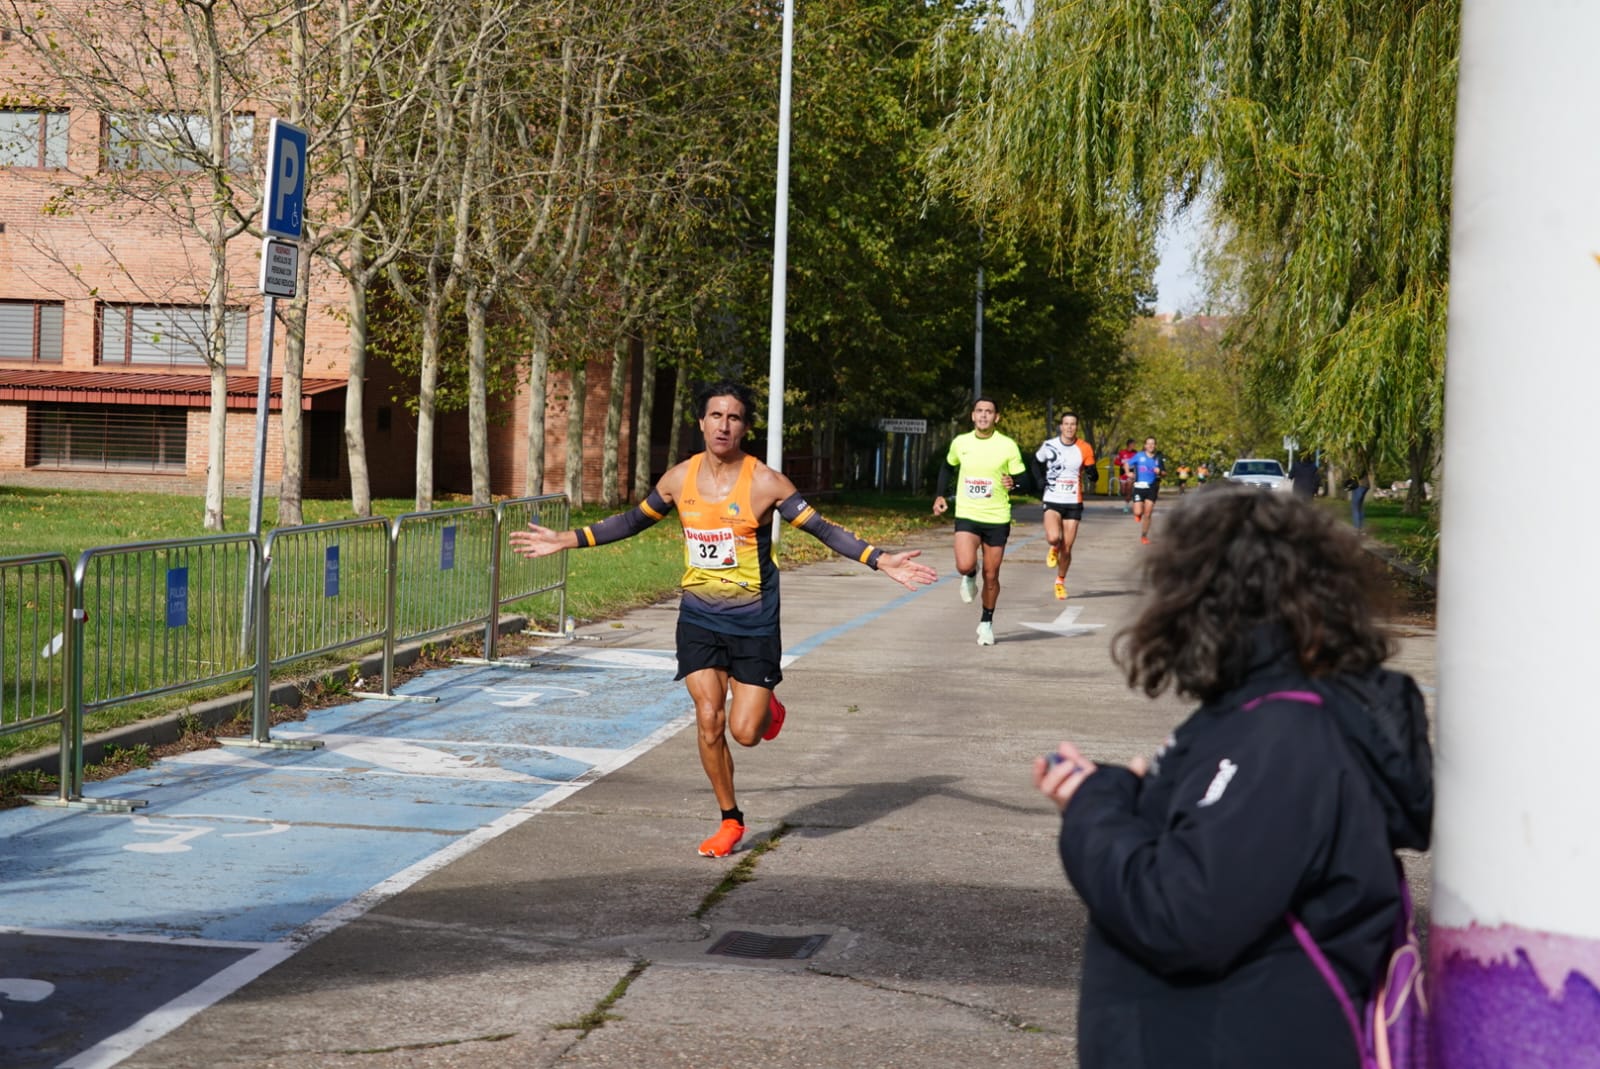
902,825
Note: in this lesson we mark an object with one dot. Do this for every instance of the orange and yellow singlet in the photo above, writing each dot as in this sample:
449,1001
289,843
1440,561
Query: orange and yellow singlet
730,584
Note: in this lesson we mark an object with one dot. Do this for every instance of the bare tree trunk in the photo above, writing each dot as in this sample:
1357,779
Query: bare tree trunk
478,395
680,396
647,411
355,437
538,398
427,393
216,448
610,460
291,482
1419,458
575,405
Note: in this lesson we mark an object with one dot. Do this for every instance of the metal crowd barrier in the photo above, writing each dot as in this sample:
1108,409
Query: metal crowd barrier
157,618
35,658
442,575
517,577
153,618
325,588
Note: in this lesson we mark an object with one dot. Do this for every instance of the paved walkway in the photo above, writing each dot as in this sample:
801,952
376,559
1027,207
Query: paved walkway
907,848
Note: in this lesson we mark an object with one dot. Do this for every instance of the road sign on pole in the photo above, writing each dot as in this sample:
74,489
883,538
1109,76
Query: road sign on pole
280,268
282,216
283,212
903,426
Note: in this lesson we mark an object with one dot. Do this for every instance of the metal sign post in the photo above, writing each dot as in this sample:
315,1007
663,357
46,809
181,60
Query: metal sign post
283,216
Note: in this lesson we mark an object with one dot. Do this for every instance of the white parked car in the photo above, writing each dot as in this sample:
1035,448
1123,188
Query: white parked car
1264,473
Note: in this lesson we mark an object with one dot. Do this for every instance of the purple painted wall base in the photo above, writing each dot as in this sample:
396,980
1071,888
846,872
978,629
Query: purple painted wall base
1511,998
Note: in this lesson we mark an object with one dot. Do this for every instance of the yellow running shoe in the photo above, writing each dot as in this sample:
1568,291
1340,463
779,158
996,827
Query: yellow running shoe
1061,590
1053,559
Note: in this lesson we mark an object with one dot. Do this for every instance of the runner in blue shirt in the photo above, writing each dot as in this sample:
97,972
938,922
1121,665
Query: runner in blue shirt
1146,469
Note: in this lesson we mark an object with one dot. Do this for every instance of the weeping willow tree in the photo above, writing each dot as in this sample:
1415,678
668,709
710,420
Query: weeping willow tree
1322,133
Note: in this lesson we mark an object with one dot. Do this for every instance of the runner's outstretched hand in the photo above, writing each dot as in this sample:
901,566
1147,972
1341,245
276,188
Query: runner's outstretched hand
539,541
904,570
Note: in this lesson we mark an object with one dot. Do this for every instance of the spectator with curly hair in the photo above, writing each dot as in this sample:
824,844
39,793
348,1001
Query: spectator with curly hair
1286,792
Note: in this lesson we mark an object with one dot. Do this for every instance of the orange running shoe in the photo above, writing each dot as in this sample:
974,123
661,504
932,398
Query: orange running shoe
722,843
775,714
1145,539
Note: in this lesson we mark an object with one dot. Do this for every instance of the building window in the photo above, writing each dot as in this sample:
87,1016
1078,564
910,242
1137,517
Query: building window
31,331
177,142
33,138
108,437
159,335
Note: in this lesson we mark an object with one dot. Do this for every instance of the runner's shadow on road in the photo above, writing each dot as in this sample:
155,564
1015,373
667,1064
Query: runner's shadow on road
1076,596
860,804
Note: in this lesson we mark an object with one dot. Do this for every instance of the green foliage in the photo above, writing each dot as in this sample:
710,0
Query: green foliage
138,756
1323,135
882,273
1191,390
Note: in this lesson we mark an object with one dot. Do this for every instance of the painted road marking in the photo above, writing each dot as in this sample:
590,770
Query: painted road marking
274,850
1066,624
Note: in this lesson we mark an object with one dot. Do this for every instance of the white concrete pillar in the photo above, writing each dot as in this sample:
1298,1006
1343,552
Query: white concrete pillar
1514,958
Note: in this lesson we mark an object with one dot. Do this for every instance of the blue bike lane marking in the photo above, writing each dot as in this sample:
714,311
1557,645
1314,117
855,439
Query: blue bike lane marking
243,857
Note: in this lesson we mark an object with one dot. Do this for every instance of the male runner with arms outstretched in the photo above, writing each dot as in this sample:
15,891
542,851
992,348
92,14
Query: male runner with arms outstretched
1066,460
986,460
728,617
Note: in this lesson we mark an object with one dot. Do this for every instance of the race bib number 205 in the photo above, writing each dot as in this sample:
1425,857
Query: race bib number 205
978,488
711,549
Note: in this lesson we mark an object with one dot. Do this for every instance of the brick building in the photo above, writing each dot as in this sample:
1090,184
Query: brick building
103,325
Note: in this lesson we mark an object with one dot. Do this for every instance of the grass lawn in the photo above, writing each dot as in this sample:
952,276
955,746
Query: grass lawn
1415,538
602,583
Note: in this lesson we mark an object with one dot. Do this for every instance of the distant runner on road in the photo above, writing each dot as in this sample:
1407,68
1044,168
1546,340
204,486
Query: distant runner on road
1146,468
1064,463
728,619
986,461
1124,481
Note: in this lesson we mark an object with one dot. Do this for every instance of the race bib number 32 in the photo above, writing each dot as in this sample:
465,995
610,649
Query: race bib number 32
711,549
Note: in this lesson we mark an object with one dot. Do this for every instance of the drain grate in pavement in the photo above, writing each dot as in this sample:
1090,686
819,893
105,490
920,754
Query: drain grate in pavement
757,945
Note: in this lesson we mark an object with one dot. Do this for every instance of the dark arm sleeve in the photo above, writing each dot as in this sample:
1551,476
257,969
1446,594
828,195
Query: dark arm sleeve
1036,471
1194,892
844,542
947,479
624,524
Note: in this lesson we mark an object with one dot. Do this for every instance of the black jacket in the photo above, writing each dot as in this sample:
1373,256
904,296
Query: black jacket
1247,815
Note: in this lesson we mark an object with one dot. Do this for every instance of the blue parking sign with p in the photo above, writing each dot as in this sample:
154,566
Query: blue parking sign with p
284,211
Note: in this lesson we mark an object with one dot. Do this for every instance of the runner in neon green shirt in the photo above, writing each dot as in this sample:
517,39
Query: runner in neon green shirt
986,461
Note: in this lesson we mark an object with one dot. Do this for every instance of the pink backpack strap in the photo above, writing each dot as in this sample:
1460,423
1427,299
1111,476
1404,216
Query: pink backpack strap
1309,697
1331,978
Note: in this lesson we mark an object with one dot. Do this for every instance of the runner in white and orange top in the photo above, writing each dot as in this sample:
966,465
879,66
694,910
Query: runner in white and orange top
1065,459
728,619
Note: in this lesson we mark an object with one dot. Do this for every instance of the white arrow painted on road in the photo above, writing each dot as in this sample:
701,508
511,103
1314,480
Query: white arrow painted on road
1066,624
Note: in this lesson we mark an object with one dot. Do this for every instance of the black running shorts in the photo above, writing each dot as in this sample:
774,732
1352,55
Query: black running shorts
753,660
1145,493
1067,510
990,534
